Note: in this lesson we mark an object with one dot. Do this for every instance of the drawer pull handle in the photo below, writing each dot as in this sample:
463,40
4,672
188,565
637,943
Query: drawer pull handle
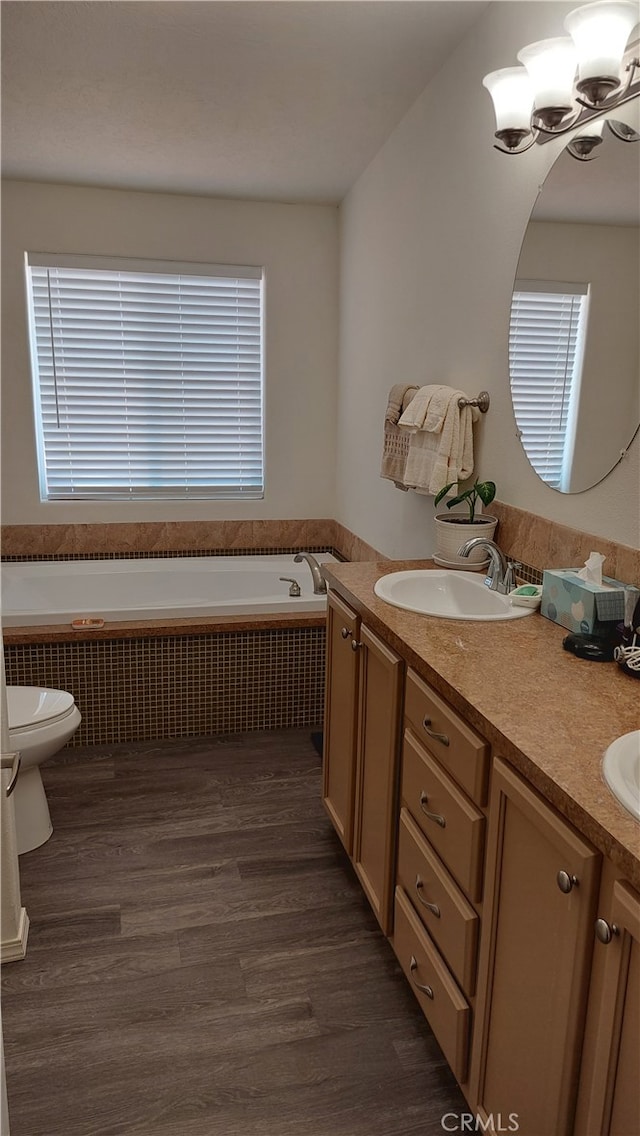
428,990
355,646
426,723
345,633
565,882
432,907
432,816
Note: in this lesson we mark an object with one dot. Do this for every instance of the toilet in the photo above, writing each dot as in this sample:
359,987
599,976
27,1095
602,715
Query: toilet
41,721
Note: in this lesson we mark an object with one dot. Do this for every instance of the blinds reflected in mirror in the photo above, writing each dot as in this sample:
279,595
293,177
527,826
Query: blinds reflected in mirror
546,348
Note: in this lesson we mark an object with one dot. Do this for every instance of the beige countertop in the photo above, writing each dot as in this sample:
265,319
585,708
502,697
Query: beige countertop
549,713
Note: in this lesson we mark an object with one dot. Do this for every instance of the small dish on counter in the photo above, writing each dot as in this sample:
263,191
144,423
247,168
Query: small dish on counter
527,595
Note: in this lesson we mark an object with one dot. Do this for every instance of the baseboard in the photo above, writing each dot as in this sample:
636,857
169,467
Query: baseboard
12,950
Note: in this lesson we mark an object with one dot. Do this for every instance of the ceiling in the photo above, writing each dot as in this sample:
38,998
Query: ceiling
282,100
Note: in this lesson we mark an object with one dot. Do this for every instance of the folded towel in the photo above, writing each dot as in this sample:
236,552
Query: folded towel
398,401
444,454
396,442
395,452
427,409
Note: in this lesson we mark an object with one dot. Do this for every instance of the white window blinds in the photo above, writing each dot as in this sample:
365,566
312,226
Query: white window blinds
148,378
546,337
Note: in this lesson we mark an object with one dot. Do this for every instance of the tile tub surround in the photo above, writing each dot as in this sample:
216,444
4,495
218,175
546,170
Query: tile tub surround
181,685
536,541
547,544
548,713
183,538
151,679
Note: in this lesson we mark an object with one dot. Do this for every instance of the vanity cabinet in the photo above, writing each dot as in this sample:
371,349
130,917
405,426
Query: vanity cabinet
341,717
380,704
609,1098
361,750
489,895
541,889
445,767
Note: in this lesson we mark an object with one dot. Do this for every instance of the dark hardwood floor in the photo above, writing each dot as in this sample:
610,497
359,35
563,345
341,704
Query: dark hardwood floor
202,962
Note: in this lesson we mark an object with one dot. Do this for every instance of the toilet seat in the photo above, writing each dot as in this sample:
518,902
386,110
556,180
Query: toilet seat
32,708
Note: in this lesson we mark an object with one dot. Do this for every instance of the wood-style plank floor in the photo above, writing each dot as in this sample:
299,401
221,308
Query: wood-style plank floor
202,962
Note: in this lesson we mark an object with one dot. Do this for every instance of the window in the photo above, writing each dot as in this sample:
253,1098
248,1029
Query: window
546,347
147,378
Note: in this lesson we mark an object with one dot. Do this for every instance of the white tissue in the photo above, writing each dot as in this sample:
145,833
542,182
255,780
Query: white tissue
592,571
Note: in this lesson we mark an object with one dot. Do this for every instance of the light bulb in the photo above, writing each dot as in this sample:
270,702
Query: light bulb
512,94
600,32
551,65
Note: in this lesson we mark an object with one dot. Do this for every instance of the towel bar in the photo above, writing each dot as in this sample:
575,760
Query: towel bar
482,402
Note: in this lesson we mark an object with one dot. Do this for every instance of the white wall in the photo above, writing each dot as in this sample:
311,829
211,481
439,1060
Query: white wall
430,237
297,244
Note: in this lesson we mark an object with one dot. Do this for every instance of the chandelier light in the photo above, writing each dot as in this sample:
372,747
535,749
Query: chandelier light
569,81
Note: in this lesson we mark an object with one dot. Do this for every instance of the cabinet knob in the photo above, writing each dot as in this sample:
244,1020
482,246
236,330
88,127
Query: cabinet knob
355,645
345,633
413,966
565,882
605,931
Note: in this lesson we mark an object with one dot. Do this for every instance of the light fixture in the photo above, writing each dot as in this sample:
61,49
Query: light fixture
569,81
585,140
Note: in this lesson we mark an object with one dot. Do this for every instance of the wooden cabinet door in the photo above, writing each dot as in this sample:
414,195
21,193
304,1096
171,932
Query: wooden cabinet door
609,1102
381,676
341,717
535,958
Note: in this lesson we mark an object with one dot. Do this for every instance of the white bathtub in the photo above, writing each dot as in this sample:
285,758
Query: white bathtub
55,592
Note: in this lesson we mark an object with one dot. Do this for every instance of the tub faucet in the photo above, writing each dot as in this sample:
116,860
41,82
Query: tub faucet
319,584
501,576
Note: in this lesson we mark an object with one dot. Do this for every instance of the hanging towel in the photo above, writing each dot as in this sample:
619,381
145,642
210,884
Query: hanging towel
400,396
427,409
396,442
441,450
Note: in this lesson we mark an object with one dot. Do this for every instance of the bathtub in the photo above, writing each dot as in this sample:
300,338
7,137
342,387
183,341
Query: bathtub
59,592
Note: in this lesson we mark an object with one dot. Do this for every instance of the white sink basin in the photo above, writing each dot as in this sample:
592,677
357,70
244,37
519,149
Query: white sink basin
621,769
448,594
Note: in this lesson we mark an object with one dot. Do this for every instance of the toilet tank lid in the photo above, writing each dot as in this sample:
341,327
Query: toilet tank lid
28,705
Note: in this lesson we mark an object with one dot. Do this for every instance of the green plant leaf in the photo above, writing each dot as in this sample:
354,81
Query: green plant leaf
457,500
486,491
443,492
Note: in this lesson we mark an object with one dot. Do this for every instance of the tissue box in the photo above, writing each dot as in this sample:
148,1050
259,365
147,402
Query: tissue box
581,606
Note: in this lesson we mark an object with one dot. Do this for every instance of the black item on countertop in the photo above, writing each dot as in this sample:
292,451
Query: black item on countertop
591,647
627,654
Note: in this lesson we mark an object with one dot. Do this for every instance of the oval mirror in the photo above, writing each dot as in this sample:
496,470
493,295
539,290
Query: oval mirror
574,352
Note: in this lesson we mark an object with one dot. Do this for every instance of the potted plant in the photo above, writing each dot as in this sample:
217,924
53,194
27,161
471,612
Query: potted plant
453,529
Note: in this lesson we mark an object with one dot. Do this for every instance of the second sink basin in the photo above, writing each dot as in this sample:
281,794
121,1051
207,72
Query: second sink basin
621,769
447,594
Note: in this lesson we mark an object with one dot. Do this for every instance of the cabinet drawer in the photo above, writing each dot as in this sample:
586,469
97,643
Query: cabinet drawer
463,752
452,825
440,904
442,1002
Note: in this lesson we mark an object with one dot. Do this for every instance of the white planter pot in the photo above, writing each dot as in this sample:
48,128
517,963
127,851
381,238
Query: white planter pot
452,532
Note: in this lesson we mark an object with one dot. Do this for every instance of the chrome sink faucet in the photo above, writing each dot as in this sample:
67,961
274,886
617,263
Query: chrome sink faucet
501,576
319,583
